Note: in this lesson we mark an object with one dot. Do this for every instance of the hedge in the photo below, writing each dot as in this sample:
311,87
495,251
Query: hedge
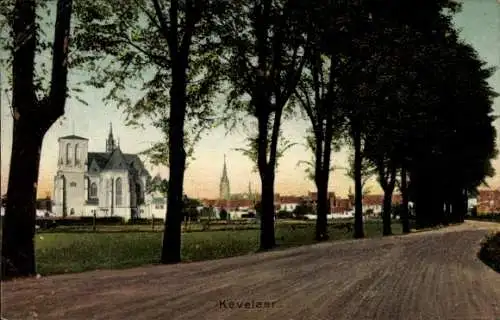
490,251
145,221
81,221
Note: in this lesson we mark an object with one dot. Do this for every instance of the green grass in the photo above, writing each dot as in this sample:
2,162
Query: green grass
69,252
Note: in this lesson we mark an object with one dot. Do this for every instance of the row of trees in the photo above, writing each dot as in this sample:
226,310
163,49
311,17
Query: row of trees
394,83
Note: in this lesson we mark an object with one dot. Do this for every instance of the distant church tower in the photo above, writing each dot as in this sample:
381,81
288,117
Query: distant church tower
110,142
224,190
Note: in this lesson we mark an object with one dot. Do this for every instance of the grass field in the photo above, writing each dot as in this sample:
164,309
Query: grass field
65,252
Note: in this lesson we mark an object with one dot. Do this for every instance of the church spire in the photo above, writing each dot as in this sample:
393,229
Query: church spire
224,169
110,142
224,190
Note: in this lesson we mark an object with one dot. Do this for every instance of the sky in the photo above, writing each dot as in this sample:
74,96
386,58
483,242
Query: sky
479,23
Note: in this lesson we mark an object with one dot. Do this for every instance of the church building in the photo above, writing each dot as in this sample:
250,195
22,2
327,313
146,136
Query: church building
110,183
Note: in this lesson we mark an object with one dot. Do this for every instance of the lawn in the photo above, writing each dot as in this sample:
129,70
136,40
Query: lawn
65,252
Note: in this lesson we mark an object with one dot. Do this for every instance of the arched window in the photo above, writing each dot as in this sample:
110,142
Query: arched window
93,190
68,153
118,192
77,160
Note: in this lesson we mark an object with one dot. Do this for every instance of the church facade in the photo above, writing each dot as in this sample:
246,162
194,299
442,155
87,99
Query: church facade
110,183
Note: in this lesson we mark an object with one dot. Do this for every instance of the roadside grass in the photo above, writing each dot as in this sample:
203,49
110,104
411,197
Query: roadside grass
490,251
70,252
492,217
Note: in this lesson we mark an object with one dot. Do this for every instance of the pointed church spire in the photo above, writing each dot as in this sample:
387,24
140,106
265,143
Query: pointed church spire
224,169
110,142
224,190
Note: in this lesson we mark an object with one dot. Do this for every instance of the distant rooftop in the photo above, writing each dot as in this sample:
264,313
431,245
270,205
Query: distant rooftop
73,137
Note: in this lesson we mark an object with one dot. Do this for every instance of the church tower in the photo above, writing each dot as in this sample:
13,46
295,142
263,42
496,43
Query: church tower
110,142
224,190
69,182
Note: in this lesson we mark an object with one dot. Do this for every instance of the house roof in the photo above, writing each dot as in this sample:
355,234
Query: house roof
73,137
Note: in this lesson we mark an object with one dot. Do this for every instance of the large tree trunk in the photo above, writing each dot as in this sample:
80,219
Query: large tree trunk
421,203
32,118
458,205
387,183
321,180
171,249
18,250
266,171
267,239
386,213
322,209
405,197
447,212
358,187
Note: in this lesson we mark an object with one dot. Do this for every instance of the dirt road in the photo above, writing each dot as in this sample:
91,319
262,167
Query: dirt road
429,275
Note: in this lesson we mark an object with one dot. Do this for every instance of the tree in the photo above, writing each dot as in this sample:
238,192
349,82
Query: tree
354,58
169,48
304,208
158,184
190,208
367,172
431,66
33,114
251,150
267,47
317,97
223,214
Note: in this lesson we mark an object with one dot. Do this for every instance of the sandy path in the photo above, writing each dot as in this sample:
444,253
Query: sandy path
428,275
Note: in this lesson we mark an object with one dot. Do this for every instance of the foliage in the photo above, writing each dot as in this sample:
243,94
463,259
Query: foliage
145,221
124,51
267,45
310,165
490,251
207,212
86,221
190,208
283,214
158,184
251,150
304,208
367,172
223,215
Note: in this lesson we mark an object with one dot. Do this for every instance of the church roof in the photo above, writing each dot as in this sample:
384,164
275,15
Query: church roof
73,137
117,160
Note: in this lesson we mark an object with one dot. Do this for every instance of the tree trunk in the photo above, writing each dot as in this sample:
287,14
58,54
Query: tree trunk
18,250
321,209
321,181
32,119
171,249
386,212
421,203
404,194
447,212
459,205
358,187
388,187
267,239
